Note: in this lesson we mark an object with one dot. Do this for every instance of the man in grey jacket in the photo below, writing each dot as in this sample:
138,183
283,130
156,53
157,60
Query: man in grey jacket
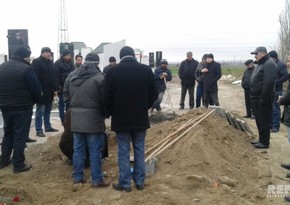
83,90
262,90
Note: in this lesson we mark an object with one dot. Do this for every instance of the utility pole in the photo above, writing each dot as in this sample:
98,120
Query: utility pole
62,26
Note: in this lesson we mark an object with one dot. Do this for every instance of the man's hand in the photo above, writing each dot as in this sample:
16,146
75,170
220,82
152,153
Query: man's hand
204,70
279,98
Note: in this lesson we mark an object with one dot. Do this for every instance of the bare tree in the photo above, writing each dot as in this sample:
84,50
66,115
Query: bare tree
284,34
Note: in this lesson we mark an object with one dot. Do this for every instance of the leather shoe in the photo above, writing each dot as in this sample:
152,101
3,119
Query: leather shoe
51,130
255,142
274,130
285,166
287,198
181,108
30,140
4,164
40,134
139,187
118,187
287,175
261,146
26,167
247,116
101,185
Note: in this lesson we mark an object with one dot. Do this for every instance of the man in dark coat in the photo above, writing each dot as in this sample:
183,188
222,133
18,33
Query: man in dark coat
43,68
211,74
199,78
19,91
129,92
159,74
112,61
262,91
246,86
83,90
186,74
282,77
62,67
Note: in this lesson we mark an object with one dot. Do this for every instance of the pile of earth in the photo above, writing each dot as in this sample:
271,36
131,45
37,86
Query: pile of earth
212,164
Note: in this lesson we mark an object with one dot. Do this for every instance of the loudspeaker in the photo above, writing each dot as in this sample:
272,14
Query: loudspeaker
158,58
16,37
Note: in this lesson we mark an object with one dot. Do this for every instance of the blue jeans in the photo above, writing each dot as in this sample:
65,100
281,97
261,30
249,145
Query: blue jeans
43,110
61,107
138,140
158,101
276,112
199,94
16,130
95,142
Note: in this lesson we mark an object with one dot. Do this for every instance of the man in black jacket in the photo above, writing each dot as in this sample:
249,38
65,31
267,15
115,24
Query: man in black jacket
43,68
282,77
262,90
19,91
186,74
129,92
246,86
62,67
211,74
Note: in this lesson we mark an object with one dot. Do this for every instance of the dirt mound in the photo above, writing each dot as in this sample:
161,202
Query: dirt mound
212,164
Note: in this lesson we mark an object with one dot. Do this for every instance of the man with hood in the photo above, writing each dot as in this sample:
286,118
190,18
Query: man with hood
62,67
262,91
83,90
19,91
129,92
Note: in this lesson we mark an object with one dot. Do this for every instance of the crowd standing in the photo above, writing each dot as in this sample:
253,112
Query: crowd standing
124,92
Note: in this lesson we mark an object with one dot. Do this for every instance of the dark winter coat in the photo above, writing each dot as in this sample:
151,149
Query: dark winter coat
198,74
285,100
262,84
129,92
186,72
247,77
61,69
83,90
44,72
282,75
160,83
211,78
19,86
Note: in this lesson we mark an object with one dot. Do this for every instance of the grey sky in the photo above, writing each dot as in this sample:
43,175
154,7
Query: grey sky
228,28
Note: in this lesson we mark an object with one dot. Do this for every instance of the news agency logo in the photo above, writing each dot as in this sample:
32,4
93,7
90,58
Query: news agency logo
278,190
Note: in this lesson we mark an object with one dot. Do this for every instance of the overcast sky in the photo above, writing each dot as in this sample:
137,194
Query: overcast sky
230,29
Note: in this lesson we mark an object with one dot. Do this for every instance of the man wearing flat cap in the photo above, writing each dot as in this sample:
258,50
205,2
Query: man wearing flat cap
43,67
62,67
19,91
262,91
246,86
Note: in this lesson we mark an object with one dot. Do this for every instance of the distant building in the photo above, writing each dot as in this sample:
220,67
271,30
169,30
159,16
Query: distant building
100,48
78,46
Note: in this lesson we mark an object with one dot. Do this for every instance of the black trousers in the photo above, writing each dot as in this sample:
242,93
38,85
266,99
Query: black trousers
16,131
263,115
184,89
248,102
210,98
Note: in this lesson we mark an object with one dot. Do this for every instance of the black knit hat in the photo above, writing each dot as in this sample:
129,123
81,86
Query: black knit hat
112,59
249,62
127,51
22,51
92,58
164,61
210,56
273,54
204,57
45,49
65,52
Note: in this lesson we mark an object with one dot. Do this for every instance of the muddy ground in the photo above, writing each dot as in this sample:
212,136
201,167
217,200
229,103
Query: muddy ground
212,164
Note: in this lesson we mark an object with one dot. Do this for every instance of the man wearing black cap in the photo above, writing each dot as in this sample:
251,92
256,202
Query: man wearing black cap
282,77
43,67
112,61
129,92
159,74
83,91
19,91
62,67
262,90
246,86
